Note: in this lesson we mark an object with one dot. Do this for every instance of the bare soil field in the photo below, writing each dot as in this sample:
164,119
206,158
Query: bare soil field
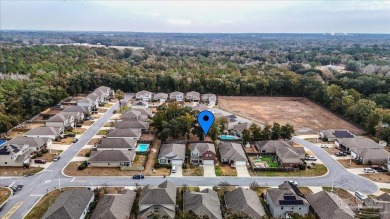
303,114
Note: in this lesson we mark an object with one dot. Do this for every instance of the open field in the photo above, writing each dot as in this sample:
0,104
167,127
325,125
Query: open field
318,170
300,112
71,170
18,171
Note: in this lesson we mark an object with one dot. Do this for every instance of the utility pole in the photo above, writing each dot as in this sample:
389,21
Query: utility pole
59,182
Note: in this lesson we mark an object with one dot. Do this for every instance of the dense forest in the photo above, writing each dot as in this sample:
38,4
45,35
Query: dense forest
348,74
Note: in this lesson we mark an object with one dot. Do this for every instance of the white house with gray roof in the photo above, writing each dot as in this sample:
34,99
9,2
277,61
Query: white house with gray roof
116,144
78,117
125,133
113,206
132,125
45,132
283,200
144,95
82,109
193,96
244,200
371,155
161,97
140,104
349,144
176,96
203,203
159,199
111,158
210,99
173,154
70,204
232,153
60,120
88,102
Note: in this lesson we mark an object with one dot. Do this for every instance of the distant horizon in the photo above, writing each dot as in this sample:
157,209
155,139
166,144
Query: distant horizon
120,31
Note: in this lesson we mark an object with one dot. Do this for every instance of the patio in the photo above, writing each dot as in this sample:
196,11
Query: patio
265,161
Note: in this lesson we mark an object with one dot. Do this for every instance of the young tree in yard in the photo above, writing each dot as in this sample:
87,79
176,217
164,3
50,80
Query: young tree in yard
119,94
246,136
286,131
266,133
275,131
256,131
198,132
214,131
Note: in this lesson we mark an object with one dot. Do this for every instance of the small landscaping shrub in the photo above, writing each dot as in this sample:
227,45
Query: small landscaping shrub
39,154
44,151
88,153
218,171
82,167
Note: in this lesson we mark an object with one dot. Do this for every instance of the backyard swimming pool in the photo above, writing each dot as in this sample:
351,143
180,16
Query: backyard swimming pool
2,141
142,147
228,137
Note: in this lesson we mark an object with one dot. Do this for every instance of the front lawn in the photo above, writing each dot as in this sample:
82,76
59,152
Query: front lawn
317,170
193,171
18,171
103,132
225,170
72,170
378,177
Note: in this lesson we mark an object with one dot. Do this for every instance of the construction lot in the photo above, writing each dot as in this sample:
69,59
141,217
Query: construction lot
303,114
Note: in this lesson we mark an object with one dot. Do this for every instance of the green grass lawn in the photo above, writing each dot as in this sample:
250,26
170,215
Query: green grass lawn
319,170
267,159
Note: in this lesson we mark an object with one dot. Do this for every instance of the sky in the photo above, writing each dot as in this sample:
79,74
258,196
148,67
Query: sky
202,16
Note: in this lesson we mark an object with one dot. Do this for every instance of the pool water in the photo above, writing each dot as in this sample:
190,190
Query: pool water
228,137
142,147
2,141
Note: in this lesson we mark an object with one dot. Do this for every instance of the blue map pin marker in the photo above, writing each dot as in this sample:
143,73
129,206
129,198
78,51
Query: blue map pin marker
206,120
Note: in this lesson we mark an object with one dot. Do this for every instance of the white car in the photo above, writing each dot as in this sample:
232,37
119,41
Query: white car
324,146
311,158
369,170
360,196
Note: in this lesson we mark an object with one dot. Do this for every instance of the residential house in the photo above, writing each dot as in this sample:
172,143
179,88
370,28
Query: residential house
204,203
78,117
101,94
132,125
45,132
244,200
96,96
202,153
140,105
269,146
349,144
210,99
232,153
143,95
289,156
284,200
159,200
116,144
81,109
61,121
131,115
145,112
34,143
107,92
111,158
125,133
333,134
172,154
193,96
381,204
326,205
88,103
176,96
241,127
370,155
70,204
115,206
161,97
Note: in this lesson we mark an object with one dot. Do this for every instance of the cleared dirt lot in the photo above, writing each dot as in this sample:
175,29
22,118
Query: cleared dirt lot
304,115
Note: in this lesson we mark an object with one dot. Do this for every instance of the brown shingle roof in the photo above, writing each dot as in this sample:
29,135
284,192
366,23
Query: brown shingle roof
329,205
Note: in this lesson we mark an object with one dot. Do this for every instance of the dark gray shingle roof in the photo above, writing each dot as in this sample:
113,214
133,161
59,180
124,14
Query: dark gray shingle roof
117,143
246,201
204,203
111,156
329,205
232,151
176,151
115,206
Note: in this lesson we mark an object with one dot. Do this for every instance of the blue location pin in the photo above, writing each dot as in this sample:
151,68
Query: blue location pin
206,120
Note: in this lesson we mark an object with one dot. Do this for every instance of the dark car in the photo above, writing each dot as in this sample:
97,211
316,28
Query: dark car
138,176
379,168
75,140
56,158
340,154
359,162
19,187
42,161
79,125
14,189
114,111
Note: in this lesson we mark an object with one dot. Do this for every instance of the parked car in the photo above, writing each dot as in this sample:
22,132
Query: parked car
19,187
86,118
360,196
173,170
56,158
295,183
79,125
138,176
114,111
378,168
324,146
75,140
14,189
71,135
359,162
39,160
311,158
340,154
369,170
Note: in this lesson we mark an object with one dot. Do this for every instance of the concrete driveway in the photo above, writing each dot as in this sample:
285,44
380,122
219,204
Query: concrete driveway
209,170
179,172
242,171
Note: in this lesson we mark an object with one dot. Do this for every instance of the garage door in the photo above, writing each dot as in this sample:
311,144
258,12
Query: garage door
208,162
177,162
240,163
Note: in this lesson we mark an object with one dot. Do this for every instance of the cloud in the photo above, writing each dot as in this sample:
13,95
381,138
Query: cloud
179,21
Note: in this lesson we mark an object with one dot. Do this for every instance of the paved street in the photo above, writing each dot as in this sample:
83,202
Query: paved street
36,186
